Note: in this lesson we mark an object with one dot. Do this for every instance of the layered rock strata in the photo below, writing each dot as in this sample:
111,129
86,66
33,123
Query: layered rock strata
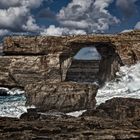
64,96
47,65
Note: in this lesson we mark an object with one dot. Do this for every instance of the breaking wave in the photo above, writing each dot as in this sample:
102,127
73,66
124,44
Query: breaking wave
12,102
126,84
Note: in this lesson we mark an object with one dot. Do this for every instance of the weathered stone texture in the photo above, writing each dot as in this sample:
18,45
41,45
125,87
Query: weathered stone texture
32,45
42,61
23,70
65,96
98,124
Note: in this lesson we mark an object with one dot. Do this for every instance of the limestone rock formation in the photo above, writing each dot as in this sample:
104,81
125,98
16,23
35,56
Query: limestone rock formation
65,96
99,124
22,70
117,109
40,61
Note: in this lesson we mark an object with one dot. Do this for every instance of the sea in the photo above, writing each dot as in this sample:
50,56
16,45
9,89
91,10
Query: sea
126,84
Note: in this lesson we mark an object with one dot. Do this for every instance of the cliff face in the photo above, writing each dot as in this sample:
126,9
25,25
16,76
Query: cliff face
38,62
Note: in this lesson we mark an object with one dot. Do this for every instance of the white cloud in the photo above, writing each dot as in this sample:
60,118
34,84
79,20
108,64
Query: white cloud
127,30
54,31
17,3
13,17
31,25
91,16
31,3
58,31
77,32
82,17
4,32
78,17
10,3
137,26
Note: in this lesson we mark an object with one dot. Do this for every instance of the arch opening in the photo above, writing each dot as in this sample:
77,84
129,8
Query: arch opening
85,65
90,63
88,53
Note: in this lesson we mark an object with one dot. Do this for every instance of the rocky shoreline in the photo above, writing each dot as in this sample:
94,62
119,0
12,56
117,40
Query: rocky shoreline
48,64
118,118
55,82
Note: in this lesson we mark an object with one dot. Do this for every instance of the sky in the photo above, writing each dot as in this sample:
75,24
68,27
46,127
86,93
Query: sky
68,17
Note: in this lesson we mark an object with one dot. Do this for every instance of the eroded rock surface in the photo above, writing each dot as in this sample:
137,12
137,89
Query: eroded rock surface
65,96
44,61
97,124
22,70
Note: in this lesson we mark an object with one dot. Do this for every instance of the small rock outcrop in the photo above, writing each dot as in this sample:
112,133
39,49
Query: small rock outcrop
117,109
47,64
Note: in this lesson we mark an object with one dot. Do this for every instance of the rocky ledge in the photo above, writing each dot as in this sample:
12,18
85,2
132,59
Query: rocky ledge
118,118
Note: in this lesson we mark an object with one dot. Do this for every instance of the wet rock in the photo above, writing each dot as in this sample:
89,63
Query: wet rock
30,115
3,92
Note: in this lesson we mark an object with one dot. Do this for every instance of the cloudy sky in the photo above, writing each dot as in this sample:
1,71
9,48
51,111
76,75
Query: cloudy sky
67,17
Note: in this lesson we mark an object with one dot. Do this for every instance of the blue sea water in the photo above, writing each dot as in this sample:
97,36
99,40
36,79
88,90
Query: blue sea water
13,104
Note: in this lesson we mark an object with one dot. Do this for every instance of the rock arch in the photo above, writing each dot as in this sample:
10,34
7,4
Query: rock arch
85,65
87,69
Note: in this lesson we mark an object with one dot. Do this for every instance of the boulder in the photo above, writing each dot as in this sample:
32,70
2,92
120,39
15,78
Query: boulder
121,108
3,92
65,96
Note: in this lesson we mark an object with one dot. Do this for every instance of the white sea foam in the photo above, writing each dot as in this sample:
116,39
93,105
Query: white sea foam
76,113
15,91
13,105
126,84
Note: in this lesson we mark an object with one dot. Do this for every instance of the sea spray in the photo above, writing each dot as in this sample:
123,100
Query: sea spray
13,104
126,84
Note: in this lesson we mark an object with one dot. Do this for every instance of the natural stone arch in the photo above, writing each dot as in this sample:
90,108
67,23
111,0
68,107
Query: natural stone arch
85,65
108,65
110,62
